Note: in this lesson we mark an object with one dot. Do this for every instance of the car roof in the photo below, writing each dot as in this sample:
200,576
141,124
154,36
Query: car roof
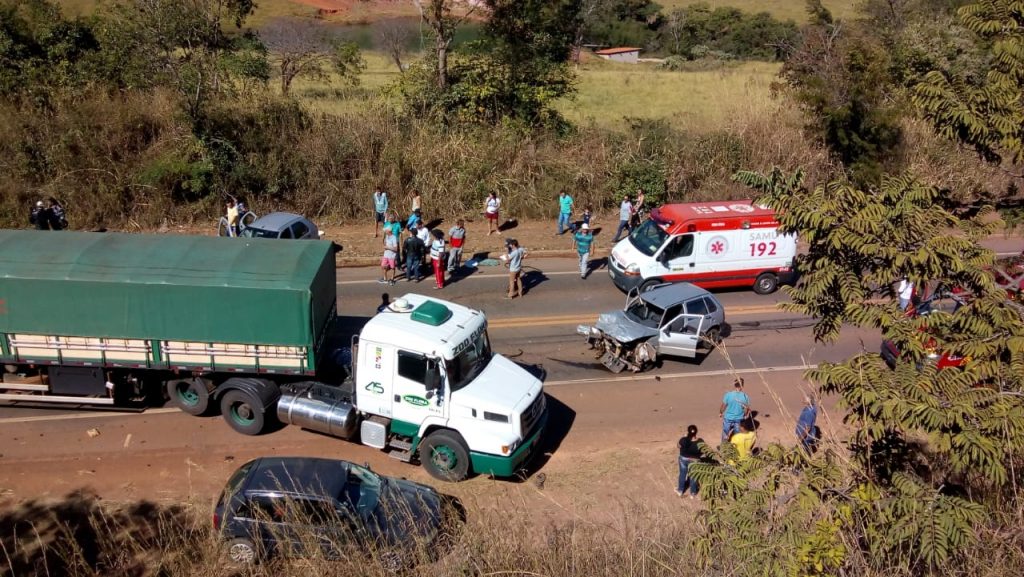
298,475
672,294
276,220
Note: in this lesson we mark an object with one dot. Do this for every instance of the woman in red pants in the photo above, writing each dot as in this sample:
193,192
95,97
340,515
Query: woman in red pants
437,257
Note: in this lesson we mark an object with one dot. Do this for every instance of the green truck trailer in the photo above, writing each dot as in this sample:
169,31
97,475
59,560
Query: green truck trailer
242,326
148,313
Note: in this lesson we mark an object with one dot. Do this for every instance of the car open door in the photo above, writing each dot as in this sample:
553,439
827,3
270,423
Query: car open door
680,337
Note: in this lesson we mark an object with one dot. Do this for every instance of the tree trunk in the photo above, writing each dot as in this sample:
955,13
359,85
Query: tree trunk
442,63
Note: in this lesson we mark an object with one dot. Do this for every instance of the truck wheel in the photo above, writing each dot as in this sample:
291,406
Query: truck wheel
242,412
766,283
189,395
445,456
649,284
242,551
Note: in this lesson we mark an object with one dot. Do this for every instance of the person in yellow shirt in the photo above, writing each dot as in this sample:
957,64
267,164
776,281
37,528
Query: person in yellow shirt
744,441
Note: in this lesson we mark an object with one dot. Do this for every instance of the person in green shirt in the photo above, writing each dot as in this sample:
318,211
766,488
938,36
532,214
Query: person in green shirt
564,212
584,240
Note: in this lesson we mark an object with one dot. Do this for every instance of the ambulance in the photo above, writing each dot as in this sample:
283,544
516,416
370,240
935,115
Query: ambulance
709,244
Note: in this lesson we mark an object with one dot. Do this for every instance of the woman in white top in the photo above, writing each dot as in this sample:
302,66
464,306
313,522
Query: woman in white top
491,206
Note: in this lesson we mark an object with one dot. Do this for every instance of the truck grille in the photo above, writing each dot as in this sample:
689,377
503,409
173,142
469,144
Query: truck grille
532,414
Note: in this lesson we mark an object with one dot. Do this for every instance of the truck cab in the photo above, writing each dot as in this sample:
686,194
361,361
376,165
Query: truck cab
429,385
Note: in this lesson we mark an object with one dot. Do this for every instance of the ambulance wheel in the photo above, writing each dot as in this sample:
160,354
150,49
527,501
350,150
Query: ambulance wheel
649,284
766,283
445,456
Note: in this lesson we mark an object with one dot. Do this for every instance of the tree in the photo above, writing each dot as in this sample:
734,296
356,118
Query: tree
444,21
617,22
394,37
985,112
304,48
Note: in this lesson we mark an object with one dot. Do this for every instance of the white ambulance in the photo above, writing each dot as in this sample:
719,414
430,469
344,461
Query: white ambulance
709,244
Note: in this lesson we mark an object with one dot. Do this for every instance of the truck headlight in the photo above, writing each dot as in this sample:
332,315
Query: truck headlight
632,270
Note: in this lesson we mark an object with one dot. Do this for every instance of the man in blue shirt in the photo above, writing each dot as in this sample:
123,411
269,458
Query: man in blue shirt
584,239
735,407
806,432
564,211
380,208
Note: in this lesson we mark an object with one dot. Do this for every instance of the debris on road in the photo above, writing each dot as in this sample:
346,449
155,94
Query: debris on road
93,433
127,440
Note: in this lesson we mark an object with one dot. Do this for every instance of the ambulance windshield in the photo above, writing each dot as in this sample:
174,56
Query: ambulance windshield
648,237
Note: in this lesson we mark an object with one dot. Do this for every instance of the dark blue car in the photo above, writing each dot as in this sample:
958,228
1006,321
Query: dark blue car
298,506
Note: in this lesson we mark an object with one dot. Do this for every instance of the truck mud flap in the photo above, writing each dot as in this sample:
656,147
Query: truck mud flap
613,362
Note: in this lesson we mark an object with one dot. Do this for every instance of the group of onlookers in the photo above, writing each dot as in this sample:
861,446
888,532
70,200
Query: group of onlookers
738,429
48,215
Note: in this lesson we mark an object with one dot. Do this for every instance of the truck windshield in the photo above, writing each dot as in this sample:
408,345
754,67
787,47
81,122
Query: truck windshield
645,313
468,364
648,237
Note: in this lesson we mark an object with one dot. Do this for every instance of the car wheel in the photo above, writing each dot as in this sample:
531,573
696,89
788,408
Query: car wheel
766,283
712,338
242,551
445,456
189,395
650,284
242,412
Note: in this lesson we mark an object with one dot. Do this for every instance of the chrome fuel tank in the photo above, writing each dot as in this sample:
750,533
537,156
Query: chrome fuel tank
318,407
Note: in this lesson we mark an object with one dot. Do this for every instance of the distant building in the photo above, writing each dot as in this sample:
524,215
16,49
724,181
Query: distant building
622,54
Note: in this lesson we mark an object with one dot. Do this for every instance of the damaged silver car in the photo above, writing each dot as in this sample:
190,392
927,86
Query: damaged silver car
675,319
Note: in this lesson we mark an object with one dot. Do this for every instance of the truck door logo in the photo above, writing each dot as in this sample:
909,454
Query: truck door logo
375,388
414,400
718,246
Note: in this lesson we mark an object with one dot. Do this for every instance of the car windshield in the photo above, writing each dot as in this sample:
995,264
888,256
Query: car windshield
648,237
644,313
467,364
362,490
252,232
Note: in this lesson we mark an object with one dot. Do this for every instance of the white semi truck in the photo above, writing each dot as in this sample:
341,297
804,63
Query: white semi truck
426,386
242,326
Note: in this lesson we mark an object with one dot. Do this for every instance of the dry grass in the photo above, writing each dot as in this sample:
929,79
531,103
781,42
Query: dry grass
795,10
700,101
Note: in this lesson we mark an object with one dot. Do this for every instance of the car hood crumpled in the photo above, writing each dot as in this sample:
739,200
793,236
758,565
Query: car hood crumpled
621,328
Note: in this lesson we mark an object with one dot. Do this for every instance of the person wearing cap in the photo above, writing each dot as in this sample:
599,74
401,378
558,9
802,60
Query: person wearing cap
583,240
39,216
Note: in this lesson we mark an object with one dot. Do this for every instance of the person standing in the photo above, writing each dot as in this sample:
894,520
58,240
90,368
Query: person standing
414,219
437,258
806,431
492,207
456,239
514,262
583,240
39,217
689,453
413,248
638,208
744,441
735,408
423,232
625,213
388,262
416,202
905,291
380,209
564,211
231,214
58,220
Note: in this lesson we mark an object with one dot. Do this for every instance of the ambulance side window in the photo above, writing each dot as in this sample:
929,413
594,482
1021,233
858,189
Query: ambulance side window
412,366
679,246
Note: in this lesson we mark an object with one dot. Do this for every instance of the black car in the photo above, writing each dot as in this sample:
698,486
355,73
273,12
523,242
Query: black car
298,506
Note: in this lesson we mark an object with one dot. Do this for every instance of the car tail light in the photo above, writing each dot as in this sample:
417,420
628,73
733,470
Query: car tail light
216,521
